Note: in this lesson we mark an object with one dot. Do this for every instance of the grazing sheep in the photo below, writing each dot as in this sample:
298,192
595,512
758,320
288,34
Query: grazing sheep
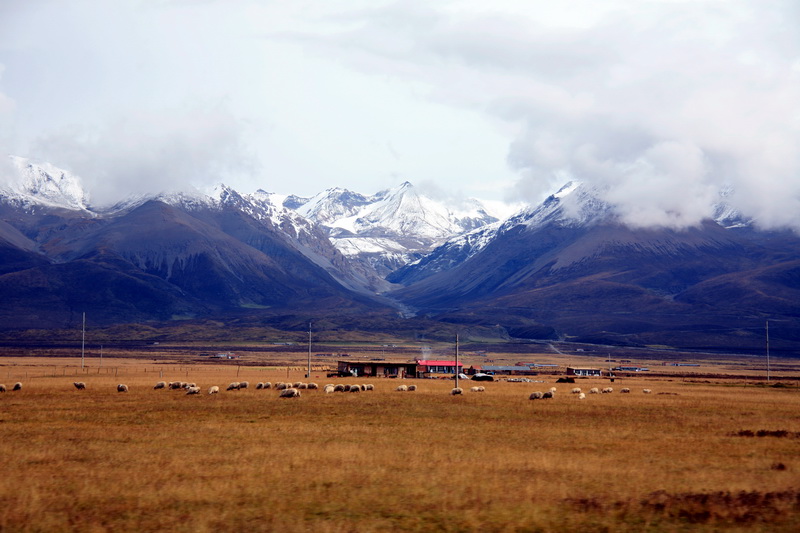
412,388
313,386
456,391
234,386
297,385
608,390
363,387
184,385
625,391
267,385
402,388
174,385
244,384
329,389
161,385
553,390
213,390
338,388
355,388
581,396
283,386
193,390
291,392
576,390
477,389
594,390
259,386
17,386
80,385
646,391
370,386
301,385
547,395
2,388
347,388
122,388
537,395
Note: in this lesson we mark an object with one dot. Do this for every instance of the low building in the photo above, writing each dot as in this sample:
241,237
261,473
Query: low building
515,370
584,372
387,369
427,366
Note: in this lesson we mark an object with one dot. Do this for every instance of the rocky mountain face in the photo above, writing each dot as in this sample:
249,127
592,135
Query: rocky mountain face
391,228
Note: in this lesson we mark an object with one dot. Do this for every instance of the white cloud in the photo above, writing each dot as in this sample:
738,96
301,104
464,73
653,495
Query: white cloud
151,153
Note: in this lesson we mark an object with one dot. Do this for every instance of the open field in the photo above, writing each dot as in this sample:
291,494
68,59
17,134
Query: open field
696,454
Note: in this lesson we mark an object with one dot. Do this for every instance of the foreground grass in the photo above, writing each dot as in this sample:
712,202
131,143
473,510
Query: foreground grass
98,460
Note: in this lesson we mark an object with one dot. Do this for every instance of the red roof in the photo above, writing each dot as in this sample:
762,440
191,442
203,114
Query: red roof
438,363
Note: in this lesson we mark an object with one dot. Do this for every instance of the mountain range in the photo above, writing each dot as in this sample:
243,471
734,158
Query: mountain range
566,269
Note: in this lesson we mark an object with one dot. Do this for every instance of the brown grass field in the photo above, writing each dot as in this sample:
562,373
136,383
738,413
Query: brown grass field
695,455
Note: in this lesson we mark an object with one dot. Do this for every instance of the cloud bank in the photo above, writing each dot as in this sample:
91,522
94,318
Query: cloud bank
151,153
662,104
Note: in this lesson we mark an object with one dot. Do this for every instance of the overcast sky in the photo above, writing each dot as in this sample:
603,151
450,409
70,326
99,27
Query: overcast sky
661,103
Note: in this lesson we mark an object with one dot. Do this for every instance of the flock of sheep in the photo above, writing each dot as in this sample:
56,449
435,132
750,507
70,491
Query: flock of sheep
292,390
538,395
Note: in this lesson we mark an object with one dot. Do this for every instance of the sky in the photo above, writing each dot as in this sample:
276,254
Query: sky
660,104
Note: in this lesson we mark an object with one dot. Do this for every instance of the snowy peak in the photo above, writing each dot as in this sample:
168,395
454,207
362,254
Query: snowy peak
393,227
43,184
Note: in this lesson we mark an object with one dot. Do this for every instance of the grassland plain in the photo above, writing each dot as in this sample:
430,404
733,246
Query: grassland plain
707,456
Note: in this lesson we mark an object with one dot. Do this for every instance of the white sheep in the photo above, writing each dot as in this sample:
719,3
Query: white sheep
581,396
282,386
301,386
338,388
259,385
297,384
553,390
608,390
412,388
213,390
355,388
329,389
122,388
536,395
363,387
370,386
291,392
2,388
244,384
174,385
347,388
576,390
160,385
313,386
80,385
267,385
193,390
646,391
234,386
17,386
547,395
594,390
402,388
456,391
476,389
625,391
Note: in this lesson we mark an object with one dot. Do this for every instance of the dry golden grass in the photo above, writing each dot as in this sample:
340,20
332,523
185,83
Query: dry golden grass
150,460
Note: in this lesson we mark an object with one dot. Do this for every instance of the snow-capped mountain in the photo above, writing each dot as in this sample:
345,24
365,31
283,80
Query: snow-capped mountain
42,184
393,227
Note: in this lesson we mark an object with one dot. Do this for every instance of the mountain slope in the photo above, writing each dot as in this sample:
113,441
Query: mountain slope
569,267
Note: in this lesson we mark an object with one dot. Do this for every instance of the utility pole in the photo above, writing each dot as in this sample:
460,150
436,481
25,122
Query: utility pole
456,360
83,339
308,375
767,330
